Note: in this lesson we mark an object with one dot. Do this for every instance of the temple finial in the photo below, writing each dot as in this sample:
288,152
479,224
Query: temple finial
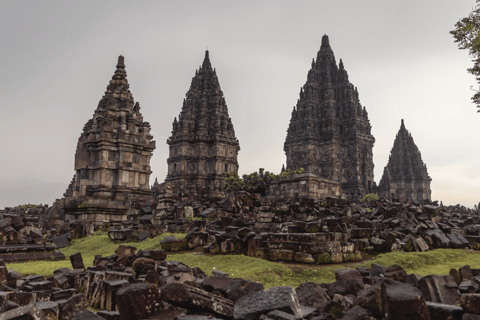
206,62
325,41
121,61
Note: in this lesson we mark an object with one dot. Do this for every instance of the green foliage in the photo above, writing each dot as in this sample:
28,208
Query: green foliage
369,197
28,205
233,183
467,35
256,182
82,205
288,174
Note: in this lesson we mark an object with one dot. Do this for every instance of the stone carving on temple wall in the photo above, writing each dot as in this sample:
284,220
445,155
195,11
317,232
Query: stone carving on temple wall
203,145
406,174
329,132
112,160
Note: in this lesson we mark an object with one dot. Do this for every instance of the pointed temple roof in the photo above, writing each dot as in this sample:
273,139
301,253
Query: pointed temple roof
101,165
117,93
329,132
405,162
204,108
329,90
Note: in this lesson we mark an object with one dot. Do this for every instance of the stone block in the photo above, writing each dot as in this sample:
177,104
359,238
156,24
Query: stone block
61,241
190,297
439,289
77,261
239,288
138,301
282,298
49,308
322,258
304,257
72,306
281,255
402,301
311,294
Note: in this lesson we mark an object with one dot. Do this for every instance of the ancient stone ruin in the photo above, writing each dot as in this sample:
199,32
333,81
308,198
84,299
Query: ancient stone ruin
112,161
203,145
405,175
329,132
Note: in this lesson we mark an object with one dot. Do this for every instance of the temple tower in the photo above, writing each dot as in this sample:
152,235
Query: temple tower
329,132
112,160
203,145
405,174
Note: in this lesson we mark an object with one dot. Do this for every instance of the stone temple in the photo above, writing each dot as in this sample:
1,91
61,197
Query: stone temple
203,145
329,133
405,174
112,160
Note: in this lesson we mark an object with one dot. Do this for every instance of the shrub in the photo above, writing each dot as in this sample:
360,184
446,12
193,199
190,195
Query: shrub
369,197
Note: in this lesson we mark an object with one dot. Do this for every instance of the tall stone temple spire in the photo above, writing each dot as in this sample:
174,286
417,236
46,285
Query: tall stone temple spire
203,145
329,132
112,160
405,174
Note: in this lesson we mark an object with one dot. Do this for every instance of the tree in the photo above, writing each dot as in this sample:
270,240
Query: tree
256,182
467,35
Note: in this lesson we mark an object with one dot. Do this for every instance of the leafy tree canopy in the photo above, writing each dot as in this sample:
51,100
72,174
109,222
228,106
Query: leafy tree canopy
467,35
256,182
369,197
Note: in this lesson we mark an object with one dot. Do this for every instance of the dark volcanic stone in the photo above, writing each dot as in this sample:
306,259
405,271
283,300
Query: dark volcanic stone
138,301
311,294
277,298
239,288
402,301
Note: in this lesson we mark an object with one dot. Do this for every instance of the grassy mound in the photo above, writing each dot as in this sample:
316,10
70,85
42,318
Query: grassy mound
439,261
96,244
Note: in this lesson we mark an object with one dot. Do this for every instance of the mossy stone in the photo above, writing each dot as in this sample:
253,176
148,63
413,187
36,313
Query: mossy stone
337,257
323,258
304,257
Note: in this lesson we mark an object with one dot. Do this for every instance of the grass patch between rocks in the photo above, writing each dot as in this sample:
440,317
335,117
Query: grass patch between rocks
438,261
96,244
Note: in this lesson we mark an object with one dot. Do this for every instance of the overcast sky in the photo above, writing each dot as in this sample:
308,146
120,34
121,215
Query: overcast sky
57,57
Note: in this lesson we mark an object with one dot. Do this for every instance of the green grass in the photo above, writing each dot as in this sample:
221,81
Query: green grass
269,273
439,261
96,244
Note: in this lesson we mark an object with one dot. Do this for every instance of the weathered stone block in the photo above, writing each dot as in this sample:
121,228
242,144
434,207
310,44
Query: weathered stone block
304,257
277,298
138,301
188,297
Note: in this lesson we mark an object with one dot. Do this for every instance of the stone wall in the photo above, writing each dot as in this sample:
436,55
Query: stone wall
304,185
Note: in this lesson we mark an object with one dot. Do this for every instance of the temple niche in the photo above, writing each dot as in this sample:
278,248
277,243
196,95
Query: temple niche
329,132
405,175
112,160
203,145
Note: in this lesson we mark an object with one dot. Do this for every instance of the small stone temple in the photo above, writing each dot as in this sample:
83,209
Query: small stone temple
405,175
203,145
329,132
112,160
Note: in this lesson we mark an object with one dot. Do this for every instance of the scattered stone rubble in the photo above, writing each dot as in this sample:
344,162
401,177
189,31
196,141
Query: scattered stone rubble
28,234
140,284
300,229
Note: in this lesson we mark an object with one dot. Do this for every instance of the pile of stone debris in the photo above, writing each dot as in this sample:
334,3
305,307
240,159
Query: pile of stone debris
133,284
26,234
302,229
